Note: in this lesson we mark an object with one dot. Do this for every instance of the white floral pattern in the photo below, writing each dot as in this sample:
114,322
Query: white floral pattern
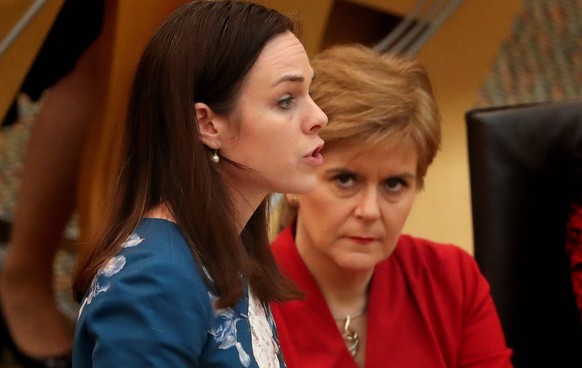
110,268
226,333
266,349
259,324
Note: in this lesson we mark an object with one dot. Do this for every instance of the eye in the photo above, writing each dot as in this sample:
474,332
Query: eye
285,102
345,181
396,184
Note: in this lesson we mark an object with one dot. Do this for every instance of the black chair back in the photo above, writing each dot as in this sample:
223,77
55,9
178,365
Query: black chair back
524,164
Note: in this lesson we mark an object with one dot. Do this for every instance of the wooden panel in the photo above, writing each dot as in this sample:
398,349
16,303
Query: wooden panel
11,11
398,7
128,35
313,16
458,58
128,24
19,56
351,22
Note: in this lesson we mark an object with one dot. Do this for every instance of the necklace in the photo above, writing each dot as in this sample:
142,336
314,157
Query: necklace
350,336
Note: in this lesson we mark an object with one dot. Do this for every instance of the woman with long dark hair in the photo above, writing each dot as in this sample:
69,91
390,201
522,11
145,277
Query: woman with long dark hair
220,116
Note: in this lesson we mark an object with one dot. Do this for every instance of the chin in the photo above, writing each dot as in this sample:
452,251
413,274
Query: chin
303,185
353,265
354,270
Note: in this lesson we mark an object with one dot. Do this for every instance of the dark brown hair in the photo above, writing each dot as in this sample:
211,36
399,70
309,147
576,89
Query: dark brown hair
201,53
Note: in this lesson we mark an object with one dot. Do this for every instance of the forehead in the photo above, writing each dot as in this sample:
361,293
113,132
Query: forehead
282,59
386,155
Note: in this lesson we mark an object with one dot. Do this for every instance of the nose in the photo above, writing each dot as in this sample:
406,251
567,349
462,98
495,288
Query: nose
316,119
368,206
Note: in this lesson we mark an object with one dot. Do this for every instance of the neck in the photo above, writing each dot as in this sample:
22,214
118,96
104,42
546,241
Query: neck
243,210
161,211
345,291
352,316
245,204
351,303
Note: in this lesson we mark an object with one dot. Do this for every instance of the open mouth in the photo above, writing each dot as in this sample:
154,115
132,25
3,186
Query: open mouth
315,157
317,151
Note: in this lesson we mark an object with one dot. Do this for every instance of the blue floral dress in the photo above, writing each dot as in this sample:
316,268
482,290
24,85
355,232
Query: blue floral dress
149,307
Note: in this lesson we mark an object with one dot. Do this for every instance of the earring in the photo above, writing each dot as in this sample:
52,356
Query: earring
215,158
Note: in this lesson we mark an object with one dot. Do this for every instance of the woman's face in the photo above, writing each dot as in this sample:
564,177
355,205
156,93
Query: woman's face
354,217
274,128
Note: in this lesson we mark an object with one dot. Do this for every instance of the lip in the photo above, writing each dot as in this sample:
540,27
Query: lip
361,239
315,157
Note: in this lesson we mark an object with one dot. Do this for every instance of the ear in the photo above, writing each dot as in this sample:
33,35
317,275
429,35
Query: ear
208,125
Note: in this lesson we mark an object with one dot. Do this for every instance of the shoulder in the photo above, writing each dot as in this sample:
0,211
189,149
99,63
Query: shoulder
283,242
155,262
439,262
448,290
158,251
286,254
142,299
439,273
416,249
159,239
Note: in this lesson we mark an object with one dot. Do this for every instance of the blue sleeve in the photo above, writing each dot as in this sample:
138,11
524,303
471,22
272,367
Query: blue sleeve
155,313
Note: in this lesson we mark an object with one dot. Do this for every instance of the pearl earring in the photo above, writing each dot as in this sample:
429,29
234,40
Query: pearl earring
215,158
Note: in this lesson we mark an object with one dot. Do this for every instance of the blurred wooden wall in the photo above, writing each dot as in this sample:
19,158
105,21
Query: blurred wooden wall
19,55
129,24
458,58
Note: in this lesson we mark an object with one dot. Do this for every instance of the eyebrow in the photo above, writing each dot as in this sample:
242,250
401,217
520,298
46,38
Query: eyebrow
293,78
342,170
406,176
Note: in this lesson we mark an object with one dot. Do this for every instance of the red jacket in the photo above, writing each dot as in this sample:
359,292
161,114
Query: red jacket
429,307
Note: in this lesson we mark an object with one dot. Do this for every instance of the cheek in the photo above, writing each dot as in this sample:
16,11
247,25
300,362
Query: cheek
395,216
253,146
329,214
272,146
